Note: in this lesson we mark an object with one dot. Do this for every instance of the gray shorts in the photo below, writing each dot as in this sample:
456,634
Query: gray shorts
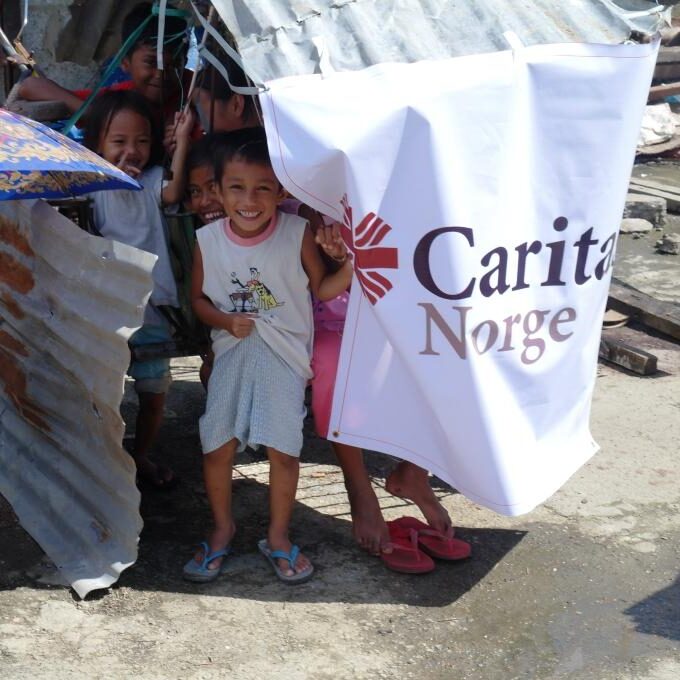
255,397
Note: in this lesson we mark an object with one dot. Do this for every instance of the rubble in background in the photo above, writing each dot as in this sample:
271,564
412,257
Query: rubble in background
660,126
635,225
650,208
669,244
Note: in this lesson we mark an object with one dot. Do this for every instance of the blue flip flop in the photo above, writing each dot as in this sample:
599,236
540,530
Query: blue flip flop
198,572
290,557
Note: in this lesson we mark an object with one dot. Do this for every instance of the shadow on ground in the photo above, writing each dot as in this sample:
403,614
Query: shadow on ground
177,519
658,613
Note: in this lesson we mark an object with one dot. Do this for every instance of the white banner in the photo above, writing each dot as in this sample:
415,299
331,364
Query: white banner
482,197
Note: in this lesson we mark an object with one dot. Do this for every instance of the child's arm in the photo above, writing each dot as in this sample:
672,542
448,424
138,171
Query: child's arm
317,224
239,325
173,191
40,89
325,285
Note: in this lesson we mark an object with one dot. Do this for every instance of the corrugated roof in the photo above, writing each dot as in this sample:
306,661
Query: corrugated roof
67,302
275,36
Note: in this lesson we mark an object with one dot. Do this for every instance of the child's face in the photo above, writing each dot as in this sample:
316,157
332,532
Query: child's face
250,195
147,79
203,198
227,115
127,141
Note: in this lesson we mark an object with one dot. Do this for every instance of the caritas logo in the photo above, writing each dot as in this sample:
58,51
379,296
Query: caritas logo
568,262
364,241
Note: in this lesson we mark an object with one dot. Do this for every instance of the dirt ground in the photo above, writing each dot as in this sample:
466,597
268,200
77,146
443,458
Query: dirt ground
584,587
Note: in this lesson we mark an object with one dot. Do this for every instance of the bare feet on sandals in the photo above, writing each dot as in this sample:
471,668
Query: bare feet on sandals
302,564
368,524
155,474
411,482
218,540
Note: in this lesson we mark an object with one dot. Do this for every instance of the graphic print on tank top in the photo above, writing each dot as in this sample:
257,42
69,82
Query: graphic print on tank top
253,295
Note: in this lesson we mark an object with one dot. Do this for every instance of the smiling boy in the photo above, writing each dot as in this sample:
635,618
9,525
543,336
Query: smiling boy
159,88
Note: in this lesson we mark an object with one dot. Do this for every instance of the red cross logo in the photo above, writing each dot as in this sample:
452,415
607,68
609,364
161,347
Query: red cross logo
363,241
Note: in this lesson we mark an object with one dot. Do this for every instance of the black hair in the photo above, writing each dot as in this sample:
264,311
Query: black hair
106,106
175,27
248,145
204,151
222,90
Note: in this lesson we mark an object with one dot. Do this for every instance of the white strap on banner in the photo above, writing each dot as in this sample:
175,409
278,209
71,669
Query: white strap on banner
161,34
325,65
212,59
231,52
513,40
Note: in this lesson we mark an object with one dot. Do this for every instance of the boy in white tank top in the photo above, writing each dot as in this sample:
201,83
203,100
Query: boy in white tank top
252,277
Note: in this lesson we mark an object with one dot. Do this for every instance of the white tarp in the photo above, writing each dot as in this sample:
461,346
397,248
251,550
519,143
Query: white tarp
482,197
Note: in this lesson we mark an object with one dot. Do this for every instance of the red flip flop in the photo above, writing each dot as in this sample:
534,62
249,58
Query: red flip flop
433,542
406,557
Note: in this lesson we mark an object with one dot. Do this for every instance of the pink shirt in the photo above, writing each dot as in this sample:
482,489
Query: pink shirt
330,315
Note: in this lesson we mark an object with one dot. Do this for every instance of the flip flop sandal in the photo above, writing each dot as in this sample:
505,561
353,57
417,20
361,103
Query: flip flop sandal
290,557
406,557
433,542
198,572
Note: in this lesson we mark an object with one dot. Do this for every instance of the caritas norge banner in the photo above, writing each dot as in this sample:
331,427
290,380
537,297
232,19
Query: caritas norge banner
481,197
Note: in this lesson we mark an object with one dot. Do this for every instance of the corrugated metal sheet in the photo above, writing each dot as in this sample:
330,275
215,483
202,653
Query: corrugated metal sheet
275,36
67,302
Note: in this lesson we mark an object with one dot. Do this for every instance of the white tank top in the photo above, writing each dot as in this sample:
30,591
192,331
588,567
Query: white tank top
262,275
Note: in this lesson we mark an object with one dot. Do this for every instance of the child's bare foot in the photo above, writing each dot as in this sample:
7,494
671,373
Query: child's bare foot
219,539
159,476
411,482
368,525
283,543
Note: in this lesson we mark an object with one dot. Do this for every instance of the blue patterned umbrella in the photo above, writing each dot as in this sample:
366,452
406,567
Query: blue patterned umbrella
37,162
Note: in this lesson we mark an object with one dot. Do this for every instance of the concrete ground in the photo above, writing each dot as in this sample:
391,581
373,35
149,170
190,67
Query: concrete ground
584,587
638,263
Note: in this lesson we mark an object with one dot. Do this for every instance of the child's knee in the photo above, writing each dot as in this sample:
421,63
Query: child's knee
151,403
220,461
283,460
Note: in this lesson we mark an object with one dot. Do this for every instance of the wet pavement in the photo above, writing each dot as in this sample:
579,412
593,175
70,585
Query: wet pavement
637,261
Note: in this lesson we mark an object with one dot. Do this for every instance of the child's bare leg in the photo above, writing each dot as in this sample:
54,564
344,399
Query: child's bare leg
284,471
149,419
204,374
410,481
368,525
206,368
217,473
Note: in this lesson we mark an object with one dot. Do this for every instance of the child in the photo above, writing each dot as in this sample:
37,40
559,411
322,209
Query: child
406,480
219,108
252,277
140,63
203,200
202,197
226,109
121,128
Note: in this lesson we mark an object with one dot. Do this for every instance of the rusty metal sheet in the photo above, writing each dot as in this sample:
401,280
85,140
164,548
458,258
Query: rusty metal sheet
276,37
68,303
